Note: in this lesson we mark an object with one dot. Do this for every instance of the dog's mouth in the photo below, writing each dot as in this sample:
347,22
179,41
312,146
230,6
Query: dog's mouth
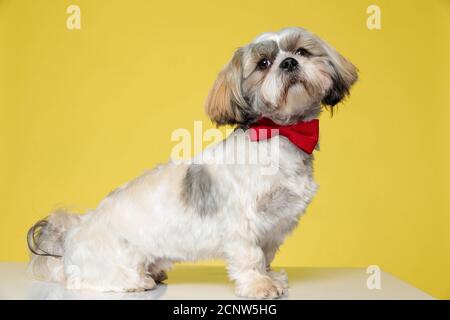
289,81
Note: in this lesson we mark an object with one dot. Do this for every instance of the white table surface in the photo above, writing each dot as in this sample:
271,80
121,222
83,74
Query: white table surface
209,283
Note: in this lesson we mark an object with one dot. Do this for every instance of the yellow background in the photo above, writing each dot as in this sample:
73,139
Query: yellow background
84,111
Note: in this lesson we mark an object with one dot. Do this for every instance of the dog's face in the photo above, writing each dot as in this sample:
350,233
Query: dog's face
285,76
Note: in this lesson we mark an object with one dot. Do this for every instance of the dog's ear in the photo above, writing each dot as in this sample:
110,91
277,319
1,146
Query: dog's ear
344,75
225,103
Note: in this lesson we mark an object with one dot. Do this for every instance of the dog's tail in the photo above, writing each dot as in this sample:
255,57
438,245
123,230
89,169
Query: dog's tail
46,244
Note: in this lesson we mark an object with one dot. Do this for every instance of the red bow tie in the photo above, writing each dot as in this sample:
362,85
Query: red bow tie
303,134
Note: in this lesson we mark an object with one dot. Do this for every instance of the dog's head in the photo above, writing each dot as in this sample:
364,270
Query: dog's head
285,76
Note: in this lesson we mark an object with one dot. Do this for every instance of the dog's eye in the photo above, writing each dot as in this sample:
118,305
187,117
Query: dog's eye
264,64
302,52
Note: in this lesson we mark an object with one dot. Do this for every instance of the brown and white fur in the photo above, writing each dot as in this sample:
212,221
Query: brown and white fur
191,211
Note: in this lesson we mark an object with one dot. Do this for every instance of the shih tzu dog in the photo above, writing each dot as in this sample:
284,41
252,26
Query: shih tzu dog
274,87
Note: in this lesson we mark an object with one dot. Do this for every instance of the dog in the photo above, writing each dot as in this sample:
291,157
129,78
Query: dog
183,211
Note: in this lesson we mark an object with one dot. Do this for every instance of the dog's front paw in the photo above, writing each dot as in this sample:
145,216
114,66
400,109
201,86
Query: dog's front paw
281,277
262,287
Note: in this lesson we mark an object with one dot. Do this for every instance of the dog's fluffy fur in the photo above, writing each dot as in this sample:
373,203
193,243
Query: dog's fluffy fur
186,212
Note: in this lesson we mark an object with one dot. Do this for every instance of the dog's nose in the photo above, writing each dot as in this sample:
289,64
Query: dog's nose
288,64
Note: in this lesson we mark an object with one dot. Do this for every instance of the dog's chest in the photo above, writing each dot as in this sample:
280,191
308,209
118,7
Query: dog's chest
289,190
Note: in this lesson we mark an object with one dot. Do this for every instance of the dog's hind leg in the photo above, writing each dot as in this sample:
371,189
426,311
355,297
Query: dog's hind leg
145,282
97,259
157,269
